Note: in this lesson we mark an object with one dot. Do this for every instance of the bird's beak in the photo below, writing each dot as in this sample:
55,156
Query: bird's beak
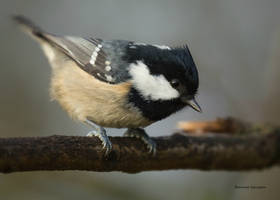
192,103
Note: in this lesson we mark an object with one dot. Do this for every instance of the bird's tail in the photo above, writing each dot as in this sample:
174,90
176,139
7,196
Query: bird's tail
31,28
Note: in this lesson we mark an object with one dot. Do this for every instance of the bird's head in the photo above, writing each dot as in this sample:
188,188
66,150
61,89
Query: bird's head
161,73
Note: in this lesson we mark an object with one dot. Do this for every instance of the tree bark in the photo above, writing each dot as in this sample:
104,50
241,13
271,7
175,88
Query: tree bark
179,151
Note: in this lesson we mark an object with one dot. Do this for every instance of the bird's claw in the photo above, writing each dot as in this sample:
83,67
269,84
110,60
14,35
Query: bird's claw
141,134
106,143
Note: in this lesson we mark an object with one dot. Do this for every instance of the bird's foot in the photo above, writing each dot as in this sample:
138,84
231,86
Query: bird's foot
101,134
141,134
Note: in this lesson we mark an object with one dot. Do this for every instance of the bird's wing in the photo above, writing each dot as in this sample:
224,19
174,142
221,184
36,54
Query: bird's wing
88,54
99,58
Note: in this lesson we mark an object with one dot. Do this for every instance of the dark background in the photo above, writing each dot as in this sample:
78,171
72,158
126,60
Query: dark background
236,46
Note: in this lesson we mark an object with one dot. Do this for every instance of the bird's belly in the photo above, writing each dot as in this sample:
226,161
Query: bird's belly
85,97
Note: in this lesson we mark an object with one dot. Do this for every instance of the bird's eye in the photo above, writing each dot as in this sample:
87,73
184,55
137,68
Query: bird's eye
175,83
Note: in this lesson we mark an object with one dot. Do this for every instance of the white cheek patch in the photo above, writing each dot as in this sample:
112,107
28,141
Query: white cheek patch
140,43
151,86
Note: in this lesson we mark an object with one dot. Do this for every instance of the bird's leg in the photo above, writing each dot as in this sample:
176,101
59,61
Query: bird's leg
141,134
100,132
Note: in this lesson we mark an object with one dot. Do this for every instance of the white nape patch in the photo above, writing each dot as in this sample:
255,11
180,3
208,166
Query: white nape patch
151,86
140,43
162,46
132,47
48,51
155,45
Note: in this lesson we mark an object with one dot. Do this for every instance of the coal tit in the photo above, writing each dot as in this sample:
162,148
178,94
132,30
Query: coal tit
117,83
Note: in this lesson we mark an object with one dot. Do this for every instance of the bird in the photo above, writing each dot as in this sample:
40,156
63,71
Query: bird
117,83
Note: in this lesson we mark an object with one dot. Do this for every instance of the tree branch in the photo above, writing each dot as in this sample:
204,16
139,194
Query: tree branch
178,151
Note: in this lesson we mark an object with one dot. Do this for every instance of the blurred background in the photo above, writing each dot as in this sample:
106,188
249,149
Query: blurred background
235,44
